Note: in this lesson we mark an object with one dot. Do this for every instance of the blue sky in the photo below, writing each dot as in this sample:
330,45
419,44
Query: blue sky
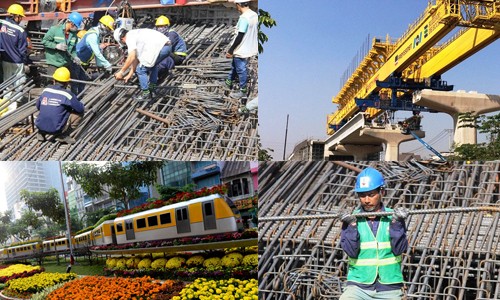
312,46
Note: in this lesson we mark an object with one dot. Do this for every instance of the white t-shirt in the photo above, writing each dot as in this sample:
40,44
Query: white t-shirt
147,43
247,23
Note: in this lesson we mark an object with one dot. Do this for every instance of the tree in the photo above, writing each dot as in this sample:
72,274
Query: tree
167,192
5,221
489,125
120,181
47,202
94,216
266,20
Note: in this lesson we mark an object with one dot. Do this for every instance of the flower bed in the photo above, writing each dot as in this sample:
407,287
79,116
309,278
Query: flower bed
18,271
247,234
99,287
187,274
204,289
25,287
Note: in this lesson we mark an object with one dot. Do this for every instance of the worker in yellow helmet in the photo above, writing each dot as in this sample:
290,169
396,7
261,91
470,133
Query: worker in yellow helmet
60,109
90,47
14,40
179,49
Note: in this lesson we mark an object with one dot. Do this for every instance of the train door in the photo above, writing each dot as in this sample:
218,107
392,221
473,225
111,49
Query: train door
182,216
129,230
209,215
113,234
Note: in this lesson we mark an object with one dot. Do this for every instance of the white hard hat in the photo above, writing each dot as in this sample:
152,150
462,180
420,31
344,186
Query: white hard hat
117,34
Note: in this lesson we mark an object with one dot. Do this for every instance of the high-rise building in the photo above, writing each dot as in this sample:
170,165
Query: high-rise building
31,176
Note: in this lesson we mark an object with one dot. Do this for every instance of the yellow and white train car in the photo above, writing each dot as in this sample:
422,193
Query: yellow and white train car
22,250
60,244
104,234
83,240
201,216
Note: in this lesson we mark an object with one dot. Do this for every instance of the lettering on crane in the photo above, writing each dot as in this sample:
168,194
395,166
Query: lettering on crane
419,37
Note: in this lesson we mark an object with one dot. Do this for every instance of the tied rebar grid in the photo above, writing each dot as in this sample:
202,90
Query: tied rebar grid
192,117
453,255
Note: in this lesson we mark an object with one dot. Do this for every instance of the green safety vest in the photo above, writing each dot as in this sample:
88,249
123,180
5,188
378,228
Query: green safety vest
375,256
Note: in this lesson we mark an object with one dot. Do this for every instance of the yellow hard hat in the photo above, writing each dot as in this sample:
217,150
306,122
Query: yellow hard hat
61,74
81,33
16,9
162,21
108,21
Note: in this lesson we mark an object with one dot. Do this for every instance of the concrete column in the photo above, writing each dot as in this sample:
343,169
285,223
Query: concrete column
360,152
391,138
455,103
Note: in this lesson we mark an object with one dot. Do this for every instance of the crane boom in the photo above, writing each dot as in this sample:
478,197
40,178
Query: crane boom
415,49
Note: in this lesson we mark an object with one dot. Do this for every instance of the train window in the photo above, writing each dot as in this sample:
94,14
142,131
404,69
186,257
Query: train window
152,221
208,209
128,225
119,227
165,218
182,214
141,223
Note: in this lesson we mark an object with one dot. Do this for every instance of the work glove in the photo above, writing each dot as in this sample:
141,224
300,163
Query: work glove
77,60
345,216
26,69
62,47
400,213
109,69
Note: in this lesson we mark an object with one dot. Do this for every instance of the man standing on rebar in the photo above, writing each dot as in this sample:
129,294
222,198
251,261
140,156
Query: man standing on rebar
146,49
179,48
374,244
60,109
60,48
14,46
245,45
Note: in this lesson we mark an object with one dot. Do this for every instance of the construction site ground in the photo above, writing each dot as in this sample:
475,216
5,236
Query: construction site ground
453,255
192,117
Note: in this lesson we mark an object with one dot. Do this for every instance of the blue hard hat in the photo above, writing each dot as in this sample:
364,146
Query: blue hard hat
368,180
76,18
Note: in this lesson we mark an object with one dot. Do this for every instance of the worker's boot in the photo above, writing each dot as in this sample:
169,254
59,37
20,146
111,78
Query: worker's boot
64,138
229,84
152,90
40,137
144,96
239,94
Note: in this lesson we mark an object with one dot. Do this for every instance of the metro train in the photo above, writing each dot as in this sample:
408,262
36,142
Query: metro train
211,214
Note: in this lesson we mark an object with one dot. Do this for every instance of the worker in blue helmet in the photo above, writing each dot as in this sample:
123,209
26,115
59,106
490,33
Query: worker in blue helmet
60,48
374,244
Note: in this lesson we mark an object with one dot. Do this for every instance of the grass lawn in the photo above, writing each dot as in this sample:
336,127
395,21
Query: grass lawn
80,267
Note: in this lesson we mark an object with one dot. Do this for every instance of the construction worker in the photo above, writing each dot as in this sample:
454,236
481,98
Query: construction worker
14,48
179,48
90,45
146,48
245,45
60,109
60,48
374,244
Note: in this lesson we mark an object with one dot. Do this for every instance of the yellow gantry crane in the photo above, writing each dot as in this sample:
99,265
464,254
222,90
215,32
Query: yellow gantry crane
414,56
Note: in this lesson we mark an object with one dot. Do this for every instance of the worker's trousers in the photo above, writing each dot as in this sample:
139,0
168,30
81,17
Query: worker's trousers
353,292
239,70
9,70
149,75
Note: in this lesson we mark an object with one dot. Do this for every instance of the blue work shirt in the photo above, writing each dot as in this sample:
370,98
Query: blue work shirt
351,244
55,105
14,41
178,45
88,48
